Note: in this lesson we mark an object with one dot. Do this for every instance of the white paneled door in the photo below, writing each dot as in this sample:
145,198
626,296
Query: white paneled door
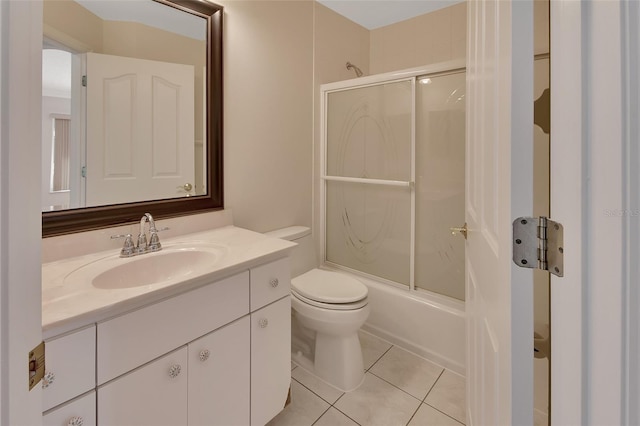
499,188
140,129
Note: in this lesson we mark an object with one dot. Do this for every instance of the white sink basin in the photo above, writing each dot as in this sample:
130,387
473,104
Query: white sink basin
175,263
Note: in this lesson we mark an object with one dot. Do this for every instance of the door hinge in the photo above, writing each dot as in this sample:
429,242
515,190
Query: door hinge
84,81
36,365
83,171
538,243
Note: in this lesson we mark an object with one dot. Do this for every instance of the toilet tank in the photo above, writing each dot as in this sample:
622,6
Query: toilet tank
303,257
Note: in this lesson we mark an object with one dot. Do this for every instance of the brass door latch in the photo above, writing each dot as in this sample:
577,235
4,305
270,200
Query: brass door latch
36,365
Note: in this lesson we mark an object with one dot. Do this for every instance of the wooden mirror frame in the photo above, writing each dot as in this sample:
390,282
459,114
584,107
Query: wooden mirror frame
84,219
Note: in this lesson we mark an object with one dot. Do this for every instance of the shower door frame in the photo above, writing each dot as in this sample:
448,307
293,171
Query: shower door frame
412,74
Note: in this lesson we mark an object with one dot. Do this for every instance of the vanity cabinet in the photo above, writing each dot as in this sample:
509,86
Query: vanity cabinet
132,339
70,376
215,355
203,383
78,412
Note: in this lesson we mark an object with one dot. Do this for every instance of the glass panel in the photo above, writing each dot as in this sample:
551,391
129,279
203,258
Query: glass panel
369,132
368,229
440,156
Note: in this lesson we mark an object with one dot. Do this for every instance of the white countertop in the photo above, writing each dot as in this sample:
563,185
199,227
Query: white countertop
71,305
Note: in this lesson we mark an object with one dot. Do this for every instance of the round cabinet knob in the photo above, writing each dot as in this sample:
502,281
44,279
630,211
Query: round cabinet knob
204,355
174,371
274,282
76,421
187,187
48,379
263,323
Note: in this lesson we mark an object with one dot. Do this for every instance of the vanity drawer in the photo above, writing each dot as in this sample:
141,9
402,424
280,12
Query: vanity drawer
80,411
270,282
125,342
70,367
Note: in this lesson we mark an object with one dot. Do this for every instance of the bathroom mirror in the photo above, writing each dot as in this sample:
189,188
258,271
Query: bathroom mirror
143,125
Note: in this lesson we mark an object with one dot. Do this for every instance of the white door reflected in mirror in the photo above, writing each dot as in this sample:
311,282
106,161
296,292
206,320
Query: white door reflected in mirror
140,129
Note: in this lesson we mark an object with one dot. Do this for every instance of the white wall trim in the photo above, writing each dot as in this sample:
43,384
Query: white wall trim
20,214
631,134
605,251
594,320
568,195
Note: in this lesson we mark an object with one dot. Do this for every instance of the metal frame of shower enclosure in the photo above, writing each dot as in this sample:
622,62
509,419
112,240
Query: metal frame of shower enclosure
410,75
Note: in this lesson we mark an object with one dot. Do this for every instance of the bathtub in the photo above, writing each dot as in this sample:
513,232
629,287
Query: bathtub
425,323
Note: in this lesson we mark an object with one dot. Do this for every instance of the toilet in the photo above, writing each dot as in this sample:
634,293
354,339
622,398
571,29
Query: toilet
328,309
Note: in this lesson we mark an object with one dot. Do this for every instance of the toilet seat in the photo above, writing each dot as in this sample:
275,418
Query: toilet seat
329,290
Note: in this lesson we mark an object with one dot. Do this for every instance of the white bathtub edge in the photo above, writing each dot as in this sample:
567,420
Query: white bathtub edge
429,325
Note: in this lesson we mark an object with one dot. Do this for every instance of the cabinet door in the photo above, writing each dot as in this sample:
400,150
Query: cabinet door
154,395
219,375
79,412
270,360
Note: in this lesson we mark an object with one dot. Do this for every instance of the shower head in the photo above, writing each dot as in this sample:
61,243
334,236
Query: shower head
356,69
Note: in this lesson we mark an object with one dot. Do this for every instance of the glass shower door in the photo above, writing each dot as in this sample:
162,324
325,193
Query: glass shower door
440,176
394,181
368,174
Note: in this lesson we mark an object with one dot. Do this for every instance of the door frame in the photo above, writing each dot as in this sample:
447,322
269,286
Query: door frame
20,210
593,182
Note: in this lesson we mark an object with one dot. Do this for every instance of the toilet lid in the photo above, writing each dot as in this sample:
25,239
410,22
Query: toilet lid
329,287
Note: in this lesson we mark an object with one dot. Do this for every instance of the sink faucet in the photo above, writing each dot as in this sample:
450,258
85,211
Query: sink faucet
154,241
129,249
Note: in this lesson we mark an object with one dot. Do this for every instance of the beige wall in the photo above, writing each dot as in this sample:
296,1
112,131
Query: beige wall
268,112
541,25
336,41
430,38
436,37
71,24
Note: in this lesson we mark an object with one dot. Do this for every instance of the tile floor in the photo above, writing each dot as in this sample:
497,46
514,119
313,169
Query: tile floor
399,388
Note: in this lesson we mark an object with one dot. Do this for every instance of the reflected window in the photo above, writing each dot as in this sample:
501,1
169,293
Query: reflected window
60,160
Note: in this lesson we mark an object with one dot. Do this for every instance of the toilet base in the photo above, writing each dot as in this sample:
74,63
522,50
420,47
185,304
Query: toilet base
345,379
338,361
332,342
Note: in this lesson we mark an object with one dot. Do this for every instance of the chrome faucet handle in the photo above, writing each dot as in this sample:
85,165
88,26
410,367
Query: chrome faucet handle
154,240
128,248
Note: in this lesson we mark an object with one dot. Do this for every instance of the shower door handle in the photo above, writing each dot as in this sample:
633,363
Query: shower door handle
462,230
